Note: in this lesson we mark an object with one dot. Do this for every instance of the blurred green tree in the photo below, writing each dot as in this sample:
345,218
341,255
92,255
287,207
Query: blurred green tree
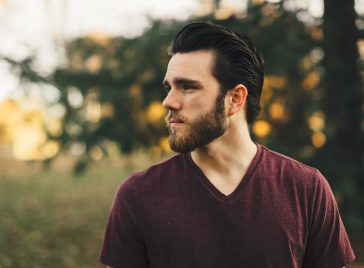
121,80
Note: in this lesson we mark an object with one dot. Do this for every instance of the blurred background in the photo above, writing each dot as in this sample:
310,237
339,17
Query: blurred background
80,107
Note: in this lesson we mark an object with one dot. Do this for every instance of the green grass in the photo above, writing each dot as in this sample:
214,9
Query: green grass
54,219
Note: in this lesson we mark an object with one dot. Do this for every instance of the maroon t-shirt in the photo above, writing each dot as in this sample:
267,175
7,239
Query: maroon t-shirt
282,214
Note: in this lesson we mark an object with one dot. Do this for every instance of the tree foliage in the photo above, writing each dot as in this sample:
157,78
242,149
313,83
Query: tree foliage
124,76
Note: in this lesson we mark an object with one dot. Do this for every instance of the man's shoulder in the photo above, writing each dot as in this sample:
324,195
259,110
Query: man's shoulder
160,168
155,174
275,162
288,172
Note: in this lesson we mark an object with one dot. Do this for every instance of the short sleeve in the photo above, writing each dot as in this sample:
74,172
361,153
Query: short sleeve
328,244
123,244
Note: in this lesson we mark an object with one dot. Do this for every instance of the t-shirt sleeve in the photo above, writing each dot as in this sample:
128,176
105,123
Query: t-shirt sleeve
328,244
123,244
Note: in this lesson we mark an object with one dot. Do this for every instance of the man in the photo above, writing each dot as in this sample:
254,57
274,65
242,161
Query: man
224,201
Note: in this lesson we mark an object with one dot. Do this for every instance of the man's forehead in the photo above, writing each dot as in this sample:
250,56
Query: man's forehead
205,57
191,65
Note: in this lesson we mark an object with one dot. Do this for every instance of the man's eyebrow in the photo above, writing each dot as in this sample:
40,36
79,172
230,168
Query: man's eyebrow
183,81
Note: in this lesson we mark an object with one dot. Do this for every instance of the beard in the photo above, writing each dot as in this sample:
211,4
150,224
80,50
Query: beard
200,132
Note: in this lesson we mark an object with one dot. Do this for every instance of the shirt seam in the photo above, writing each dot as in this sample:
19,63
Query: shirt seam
347,258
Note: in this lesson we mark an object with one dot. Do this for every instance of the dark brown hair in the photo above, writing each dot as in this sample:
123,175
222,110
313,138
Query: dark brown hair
237,60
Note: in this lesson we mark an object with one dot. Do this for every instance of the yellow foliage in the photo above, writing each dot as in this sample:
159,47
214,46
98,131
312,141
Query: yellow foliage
224,13
135,91
269,14
10,115
360,44
49,149
155,112
267,92
107,110
272,82
94,63
318,139
93,111
96,153
100,38
277,111
262,128
316,33
306,63
155,151
311,81
26,140
24,125
258,2
30,143
205,7
164,144
276,81
317,121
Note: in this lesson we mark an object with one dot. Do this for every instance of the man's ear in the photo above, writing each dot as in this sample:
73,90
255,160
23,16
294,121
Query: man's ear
237,99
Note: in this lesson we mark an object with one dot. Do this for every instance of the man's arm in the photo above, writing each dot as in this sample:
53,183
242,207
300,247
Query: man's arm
123,244
328,244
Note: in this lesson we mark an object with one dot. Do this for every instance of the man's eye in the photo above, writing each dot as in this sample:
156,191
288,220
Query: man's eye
167,89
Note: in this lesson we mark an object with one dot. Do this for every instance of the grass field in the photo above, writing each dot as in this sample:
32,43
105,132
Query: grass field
54,219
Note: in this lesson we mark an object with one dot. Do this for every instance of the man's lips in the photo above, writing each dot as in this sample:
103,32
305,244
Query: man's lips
173,122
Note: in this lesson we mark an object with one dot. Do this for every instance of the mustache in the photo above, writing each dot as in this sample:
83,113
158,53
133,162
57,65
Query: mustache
173,115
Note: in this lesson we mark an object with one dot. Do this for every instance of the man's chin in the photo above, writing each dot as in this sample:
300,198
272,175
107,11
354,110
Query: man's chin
181,150
179,146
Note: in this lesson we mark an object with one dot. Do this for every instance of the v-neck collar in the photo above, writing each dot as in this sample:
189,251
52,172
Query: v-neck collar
216,192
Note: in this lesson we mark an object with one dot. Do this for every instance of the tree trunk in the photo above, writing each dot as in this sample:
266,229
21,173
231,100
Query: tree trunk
343,99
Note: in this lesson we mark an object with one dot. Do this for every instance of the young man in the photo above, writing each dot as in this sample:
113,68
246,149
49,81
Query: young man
224,201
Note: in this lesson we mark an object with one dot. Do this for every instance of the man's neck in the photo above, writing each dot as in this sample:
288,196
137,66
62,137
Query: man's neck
226,160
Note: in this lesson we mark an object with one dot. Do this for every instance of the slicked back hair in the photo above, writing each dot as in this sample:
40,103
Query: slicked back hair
237,60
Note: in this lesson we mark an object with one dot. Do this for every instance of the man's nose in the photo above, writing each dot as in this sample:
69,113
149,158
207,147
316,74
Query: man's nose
172,101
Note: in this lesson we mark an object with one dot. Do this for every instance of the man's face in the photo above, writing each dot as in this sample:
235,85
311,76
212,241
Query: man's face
196,106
